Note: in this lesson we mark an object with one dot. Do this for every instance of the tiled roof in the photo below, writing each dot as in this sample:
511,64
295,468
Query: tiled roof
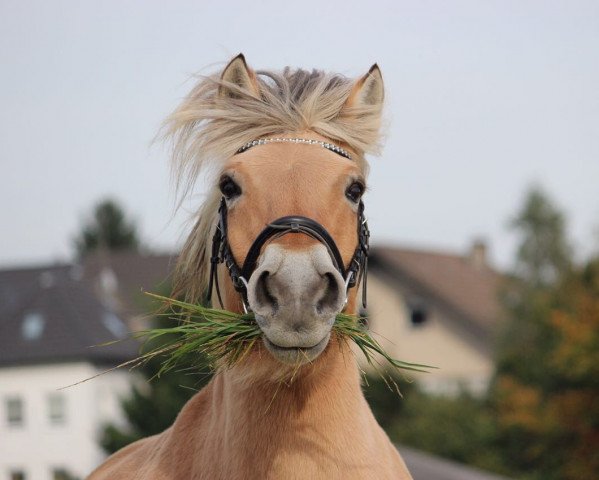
49,315
467,291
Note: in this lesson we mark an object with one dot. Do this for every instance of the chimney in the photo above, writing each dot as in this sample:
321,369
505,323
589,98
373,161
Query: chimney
478,254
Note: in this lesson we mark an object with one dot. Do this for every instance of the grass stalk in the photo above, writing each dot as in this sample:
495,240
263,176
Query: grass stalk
225,338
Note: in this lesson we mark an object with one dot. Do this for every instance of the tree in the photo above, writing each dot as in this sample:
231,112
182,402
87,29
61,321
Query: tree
542,261
541,417
153,406
549,425
546,381
107,229
543,254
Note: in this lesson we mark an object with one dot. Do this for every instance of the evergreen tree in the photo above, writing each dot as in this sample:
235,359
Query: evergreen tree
108,229
154,403
543,254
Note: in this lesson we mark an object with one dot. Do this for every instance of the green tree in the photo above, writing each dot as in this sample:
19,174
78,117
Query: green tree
107,229
541,417
548,414
461,428
154,404
545,379
386,396
543,260
544,254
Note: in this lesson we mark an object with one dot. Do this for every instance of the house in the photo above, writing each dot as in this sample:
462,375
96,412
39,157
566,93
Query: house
438,309
50,321
426,307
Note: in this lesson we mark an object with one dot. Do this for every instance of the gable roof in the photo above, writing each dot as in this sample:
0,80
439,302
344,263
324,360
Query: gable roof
466,290
49,314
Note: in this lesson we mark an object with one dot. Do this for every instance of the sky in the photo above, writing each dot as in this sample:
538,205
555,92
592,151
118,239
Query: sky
484,99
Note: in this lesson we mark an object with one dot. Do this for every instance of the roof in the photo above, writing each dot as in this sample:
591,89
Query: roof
76,301
120,278
466,290
428,467
49,314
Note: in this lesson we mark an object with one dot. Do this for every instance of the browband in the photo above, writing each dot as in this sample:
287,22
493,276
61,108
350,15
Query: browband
329,146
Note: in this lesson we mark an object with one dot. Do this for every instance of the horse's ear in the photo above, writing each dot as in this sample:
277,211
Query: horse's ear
368,90
238,80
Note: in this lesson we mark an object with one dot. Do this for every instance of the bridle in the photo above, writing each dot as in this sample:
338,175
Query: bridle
353,275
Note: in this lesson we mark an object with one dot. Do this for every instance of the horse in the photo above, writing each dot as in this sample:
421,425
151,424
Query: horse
287,154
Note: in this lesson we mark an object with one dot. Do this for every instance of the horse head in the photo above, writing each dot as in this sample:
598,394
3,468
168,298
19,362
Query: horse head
286,213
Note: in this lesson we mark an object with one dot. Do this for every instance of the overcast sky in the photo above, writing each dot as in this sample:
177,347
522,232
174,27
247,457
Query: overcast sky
484,99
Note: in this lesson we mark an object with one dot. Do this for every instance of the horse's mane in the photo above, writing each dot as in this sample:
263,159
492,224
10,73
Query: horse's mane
207,128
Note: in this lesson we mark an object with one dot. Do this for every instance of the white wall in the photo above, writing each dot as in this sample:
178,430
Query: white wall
37,447
458,362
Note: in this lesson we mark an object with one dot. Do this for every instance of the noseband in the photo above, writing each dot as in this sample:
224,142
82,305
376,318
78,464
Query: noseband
222,253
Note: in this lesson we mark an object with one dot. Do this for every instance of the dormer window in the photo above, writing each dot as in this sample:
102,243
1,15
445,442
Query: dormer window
32,326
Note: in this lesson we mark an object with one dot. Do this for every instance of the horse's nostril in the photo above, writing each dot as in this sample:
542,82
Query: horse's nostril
329,300
263,293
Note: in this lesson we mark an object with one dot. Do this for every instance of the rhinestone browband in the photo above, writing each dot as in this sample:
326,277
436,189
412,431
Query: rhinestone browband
329,146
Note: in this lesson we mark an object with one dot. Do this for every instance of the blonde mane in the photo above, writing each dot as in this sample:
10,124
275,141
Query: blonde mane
207,128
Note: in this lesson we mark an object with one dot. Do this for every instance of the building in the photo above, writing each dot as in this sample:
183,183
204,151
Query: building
438,309
50,321
426,307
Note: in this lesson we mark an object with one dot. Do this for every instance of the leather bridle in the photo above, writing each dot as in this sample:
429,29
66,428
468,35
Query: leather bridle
353,274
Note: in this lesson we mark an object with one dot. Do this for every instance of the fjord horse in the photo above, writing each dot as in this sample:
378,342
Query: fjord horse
282,143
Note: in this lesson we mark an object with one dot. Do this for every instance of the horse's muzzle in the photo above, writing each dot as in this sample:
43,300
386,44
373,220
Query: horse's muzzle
295,296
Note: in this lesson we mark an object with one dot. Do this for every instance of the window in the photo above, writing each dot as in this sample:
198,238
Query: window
418,314
17,475
56,408
32,326
62,474
14,411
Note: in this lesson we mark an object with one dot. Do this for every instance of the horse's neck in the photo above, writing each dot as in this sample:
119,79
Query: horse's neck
315,425
249,411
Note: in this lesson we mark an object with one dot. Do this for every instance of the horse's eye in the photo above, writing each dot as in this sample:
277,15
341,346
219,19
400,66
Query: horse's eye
355,191
229,188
